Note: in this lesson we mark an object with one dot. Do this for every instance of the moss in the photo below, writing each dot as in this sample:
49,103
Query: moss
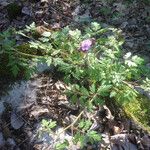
25,48
139,111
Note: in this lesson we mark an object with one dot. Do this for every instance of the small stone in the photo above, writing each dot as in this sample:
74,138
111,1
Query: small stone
124,24
46,138
11,142
27,11
146,141
148,65
105,138
16,121
129,44
2,140
4,3
2,108
132,21
44,1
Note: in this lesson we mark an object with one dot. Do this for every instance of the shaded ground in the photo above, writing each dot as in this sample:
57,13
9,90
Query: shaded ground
117,131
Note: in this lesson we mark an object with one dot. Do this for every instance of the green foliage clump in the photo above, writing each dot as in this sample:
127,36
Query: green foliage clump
13,59
48,125
93,67
139,111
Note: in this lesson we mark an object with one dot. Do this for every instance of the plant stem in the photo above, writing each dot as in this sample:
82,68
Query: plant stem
78,117
29,55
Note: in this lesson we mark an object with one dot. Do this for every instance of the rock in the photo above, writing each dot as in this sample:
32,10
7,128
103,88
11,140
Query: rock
123,25
129,44
20,92
146,142
41,67
16,121
105,138
2,108
132,21
119,139
147,93
27,11
44,1
142,91
148,65
86,17
3,3
119,7
11,143
129,146
2,140
76,11
46,138
139,89
121,142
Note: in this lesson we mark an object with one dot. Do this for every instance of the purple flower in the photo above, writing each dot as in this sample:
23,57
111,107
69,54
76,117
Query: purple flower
87,44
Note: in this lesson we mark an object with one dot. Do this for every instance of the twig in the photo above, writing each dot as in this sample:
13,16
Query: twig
129,85
29,55
78,117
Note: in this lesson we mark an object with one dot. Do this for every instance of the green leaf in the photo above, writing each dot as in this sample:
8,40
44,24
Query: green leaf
34,45
48,124
79,138
52,124
87,125
103,90
58,61
46,34
84,91
75,33
81,124
62,146
99,101
95,26
15,70
93,136
32,25
74,99
49,61
113,94
55,52
93,88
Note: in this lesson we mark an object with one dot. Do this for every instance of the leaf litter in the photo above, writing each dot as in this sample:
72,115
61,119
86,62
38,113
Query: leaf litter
49,102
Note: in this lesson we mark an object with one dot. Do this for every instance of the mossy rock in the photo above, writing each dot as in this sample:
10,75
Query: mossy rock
139,111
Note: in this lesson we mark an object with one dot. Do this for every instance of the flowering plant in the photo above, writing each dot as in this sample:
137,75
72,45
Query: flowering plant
86,45
93,67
